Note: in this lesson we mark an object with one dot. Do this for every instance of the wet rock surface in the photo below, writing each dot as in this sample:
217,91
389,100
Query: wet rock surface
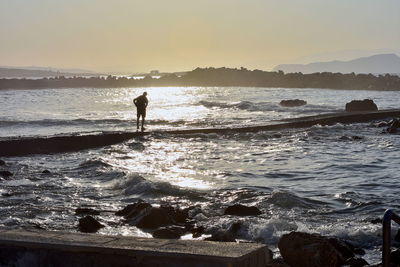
304,249
6,174
361,105
241,210
293,103
89,224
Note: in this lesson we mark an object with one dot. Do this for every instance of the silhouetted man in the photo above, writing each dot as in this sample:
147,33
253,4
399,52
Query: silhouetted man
141,103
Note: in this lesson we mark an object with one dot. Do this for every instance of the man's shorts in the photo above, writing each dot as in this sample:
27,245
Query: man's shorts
141,112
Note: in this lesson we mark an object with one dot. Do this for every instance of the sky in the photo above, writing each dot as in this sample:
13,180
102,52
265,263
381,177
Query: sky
177,35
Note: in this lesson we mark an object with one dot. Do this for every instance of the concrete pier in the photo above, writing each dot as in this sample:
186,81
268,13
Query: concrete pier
68,143
47,248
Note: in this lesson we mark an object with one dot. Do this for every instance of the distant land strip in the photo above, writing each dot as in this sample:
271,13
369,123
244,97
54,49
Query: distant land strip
221,77
69,143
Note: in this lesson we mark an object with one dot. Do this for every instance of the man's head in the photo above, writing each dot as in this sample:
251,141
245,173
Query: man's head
145,93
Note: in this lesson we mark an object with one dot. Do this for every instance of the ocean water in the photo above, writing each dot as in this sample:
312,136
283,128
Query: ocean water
332,180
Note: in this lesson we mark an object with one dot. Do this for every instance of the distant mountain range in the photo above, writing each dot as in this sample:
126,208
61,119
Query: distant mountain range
377,64
41,72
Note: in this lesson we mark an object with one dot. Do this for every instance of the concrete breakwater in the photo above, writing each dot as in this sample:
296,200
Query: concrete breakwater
50,248
58,144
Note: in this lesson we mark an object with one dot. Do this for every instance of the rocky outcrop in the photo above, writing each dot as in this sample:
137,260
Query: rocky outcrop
313,250
2,162
89,224
172,232
361,105
293,103
241,210
5,174
143,215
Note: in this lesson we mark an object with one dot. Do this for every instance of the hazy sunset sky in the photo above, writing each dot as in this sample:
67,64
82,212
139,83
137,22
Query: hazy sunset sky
176,35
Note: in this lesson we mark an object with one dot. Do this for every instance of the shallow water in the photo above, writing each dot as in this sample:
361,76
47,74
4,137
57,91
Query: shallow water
332,180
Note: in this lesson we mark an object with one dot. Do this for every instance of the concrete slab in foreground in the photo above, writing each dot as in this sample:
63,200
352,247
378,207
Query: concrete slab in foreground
45,248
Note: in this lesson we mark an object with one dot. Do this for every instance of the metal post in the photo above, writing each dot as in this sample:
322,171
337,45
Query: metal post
386,228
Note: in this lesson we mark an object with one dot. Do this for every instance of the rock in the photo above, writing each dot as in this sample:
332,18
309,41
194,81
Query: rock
293,103
361,105
241,210
197,231
277,263
221,236
150,218
304,250
178,215
382,124
133,210
376,221
89,225
391,130
345,249
356,262
46,172
88,211
395,257
169,233
355,137
395,123
5,174
2,162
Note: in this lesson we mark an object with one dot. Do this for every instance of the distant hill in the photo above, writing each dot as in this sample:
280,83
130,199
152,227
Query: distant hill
40,72
377,64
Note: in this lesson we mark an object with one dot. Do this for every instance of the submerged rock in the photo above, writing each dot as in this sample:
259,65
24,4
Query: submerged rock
197,231
6,174
356,262
150,218
222,236
133,210
169,232
88,211
2,162
89,224
304,249
361,105
293,103
393,126
241,210
46,172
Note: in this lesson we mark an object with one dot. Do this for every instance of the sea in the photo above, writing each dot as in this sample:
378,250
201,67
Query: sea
334,180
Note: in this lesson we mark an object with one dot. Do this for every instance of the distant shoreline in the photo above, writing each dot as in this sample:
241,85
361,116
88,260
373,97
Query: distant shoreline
219,77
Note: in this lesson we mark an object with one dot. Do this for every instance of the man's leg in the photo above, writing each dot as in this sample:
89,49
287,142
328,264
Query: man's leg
143,123
137,121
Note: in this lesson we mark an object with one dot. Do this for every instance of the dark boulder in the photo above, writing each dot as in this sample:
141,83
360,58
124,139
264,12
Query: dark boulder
46,172
361,105
197,231
293,103
86,211
241,210
89,225
133,210
2,162
178,215
169,232
5,174
222,236
376,221
150,218
356,262
393,126
304,250
395,257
